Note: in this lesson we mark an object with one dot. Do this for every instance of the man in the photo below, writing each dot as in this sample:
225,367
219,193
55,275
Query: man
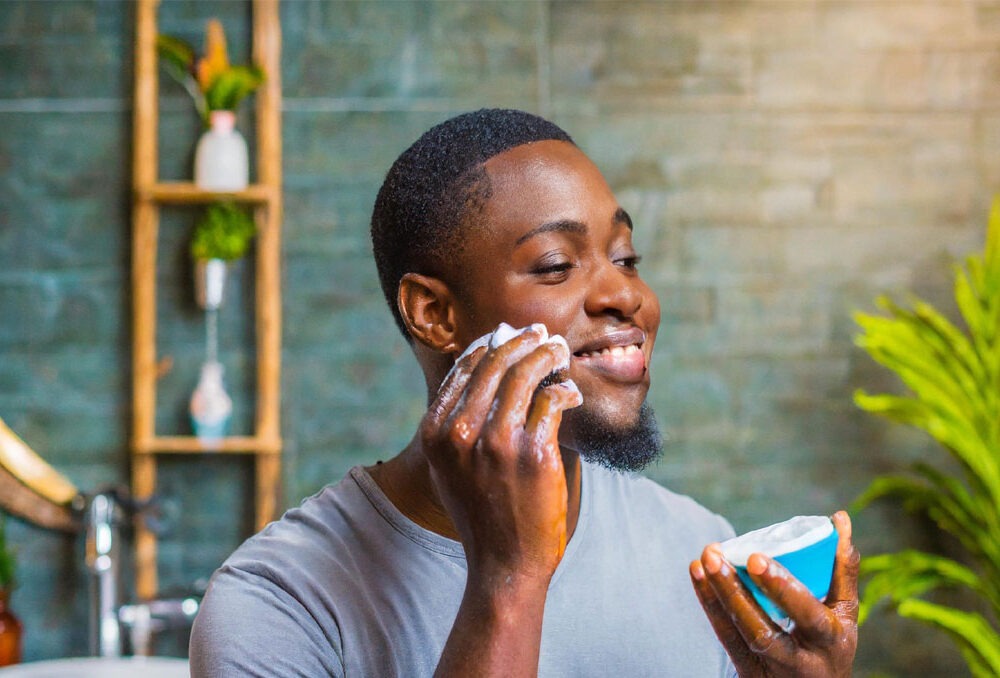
505,539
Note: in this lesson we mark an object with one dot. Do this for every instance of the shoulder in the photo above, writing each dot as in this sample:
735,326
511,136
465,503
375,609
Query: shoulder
301,537
262,602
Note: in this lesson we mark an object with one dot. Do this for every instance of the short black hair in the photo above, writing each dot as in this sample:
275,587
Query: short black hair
430,189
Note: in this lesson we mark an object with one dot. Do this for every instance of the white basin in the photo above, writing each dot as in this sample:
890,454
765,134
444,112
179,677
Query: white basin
100,667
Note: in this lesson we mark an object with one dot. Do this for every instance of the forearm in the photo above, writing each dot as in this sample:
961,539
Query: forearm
498,629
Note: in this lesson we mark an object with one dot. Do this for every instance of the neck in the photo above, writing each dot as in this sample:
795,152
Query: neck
406,481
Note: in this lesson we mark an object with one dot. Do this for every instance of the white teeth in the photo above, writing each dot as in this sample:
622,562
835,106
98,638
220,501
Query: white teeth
617,351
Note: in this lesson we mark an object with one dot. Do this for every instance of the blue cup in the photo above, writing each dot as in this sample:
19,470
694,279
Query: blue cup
810,563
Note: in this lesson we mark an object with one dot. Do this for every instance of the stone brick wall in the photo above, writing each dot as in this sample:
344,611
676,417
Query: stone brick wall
785,161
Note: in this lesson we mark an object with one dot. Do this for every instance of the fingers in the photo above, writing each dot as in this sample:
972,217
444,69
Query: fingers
487,396
843,596
542,427
453,385
462,423
718,617
759,632
814,621
518,395
823,635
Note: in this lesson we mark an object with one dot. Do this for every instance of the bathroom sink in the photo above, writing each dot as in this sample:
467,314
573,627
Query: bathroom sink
100,667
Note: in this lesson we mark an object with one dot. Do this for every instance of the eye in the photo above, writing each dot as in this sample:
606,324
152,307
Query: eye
631,262
550,269
553,267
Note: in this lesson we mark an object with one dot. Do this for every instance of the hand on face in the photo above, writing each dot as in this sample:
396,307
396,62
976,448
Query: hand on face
824,638
492,445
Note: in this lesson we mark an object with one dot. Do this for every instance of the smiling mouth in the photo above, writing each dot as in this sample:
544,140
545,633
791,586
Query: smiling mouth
614,351
621,363
617,356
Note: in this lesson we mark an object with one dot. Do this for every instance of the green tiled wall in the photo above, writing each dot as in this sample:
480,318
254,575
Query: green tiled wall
785,161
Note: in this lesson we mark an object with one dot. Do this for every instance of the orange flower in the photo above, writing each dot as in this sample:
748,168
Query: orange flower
216,60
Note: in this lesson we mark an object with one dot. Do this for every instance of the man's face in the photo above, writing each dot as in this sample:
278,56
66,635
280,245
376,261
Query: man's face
552,245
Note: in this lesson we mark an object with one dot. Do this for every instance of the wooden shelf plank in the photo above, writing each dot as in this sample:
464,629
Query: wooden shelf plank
186,193
191,444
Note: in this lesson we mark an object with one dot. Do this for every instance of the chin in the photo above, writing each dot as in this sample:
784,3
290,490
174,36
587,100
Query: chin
621,443
615,412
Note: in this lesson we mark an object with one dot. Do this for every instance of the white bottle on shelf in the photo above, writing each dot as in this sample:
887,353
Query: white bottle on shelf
211,406
220,160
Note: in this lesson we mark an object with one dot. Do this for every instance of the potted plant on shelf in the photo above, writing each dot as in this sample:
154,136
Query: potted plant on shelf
10,627
223,234
217,87
953,375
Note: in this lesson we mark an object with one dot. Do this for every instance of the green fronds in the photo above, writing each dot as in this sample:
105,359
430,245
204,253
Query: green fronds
213,83
176,55
897,577
976,639
178,59
224,232
952,374
232,86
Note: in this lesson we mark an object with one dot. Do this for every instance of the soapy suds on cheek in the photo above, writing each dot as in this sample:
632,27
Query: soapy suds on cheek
504,333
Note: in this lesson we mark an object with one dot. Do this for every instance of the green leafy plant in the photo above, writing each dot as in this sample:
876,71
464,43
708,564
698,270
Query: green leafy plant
213,83
953,377
224,232
8,562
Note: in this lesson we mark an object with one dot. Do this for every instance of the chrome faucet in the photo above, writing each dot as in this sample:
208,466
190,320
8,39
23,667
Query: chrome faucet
110,620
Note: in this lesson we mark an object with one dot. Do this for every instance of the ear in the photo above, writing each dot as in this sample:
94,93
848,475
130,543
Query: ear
428,310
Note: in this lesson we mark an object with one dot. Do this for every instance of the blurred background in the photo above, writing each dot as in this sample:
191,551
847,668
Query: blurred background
785,162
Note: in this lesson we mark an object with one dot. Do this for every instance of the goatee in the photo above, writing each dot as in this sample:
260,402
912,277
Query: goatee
627,449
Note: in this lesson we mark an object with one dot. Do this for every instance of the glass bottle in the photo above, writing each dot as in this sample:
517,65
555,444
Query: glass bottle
10,632
211,406
221,161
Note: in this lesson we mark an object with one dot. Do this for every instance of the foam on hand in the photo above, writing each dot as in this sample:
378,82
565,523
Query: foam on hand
504,333
805,545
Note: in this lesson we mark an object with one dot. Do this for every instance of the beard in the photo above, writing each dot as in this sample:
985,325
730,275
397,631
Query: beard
624,449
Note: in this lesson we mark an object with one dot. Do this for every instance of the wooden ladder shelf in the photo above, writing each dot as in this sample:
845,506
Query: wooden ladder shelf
265,198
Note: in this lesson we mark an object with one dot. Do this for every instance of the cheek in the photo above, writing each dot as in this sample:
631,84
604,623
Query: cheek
479,316
556,313
651,312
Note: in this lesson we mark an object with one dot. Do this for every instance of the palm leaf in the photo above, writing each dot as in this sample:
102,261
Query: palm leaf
953,510
954,381
915,355
954,434
976,639
965,515
177,58
231,86
177,55
908,574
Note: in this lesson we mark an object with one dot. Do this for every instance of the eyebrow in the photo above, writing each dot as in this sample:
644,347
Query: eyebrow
622,217
571,226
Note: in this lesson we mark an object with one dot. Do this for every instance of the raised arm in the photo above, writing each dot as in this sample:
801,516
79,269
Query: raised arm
491,441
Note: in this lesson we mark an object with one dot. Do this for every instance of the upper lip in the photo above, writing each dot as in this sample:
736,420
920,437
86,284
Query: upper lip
625,337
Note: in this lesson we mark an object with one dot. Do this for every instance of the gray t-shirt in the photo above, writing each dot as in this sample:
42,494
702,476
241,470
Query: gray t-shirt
347,585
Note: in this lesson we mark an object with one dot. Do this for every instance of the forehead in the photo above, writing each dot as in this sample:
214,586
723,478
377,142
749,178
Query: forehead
544,181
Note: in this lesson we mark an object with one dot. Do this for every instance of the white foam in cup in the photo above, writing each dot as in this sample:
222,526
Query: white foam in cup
805,545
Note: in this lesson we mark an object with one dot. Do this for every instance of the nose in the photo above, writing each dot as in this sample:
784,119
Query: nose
614,291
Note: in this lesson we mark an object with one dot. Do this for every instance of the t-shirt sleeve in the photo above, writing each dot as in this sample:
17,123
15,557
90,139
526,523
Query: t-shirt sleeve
250,626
